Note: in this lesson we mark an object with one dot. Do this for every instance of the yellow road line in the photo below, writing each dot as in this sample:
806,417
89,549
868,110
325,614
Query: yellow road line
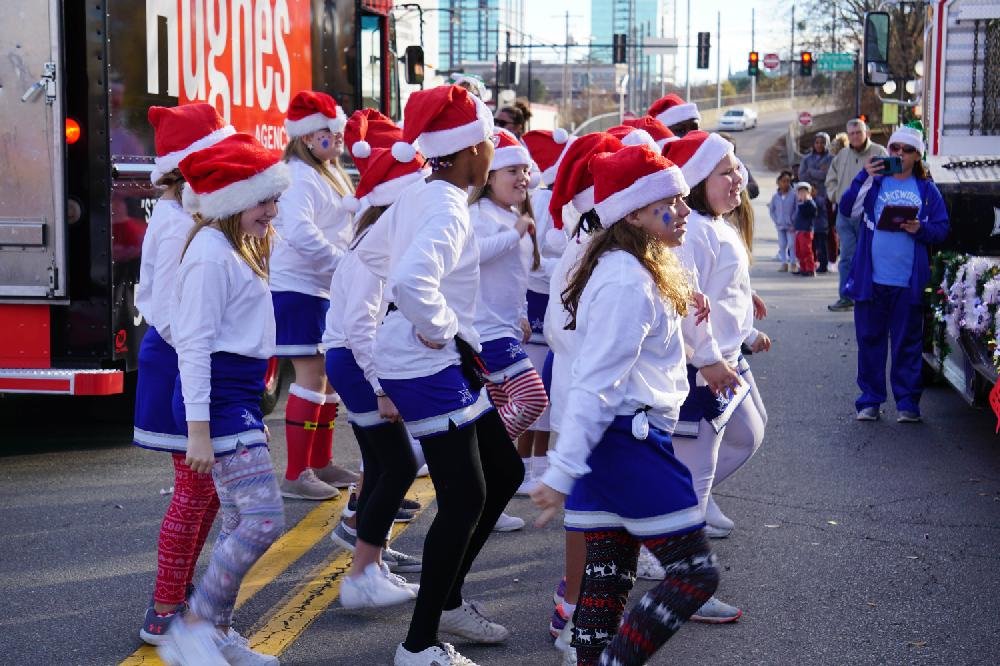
292,545
302,606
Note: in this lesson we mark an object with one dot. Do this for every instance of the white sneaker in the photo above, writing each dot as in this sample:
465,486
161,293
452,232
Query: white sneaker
467,622
717,520
192,644
569,657
423,471
562,642
716,611
236,649
507,523
527,486
399,581
435,655
713,532
649,567
372,590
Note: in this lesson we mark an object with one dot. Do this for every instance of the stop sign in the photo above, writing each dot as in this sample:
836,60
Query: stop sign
771,61
805,118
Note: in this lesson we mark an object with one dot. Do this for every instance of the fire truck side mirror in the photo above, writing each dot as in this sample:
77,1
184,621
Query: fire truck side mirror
414,65
876,48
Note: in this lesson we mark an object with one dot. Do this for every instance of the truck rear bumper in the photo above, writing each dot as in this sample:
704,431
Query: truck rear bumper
62,382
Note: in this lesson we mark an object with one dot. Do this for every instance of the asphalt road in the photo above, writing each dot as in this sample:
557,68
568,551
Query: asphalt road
856,543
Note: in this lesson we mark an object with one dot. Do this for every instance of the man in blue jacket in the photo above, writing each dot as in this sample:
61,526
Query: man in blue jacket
891,267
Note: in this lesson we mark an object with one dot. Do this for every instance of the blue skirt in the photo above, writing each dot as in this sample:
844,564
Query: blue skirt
299,320
504,359
547,372
235,417
537,303
431,405
155,427
348,380
635,485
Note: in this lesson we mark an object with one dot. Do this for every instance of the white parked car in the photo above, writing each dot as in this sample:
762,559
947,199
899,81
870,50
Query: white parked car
738,119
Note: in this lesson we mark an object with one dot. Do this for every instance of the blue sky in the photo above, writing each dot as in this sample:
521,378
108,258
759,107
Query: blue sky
545,20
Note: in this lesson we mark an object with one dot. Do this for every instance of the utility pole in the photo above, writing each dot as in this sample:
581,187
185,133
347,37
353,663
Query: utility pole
753,47
791,58
687,49
569,111
663,58
718,61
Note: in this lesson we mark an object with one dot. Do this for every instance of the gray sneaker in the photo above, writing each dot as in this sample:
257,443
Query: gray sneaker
906,416
401,562
868,414
467,622
842,305
308,487
715,611
344,536
336,476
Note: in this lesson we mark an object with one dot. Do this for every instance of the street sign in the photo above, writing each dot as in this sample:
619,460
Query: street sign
805,119
772,61
659,45
835,62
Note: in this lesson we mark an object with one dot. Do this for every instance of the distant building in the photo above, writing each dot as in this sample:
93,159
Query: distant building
608,17
474,30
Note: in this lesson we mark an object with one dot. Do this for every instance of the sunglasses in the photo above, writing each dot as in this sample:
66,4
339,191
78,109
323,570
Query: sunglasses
901,147
501,123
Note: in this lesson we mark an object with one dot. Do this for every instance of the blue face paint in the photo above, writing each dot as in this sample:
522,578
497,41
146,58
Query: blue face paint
667,218
325,143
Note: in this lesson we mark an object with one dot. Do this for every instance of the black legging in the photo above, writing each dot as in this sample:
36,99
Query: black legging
389,470
475,470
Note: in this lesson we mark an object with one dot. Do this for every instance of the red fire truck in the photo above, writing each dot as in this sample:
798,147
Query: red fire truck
75,83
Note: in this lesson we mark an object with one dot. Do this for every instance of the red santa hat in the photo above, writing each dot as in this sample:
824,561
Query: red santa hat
633,136
180,131
672,109
632,178
231,176
367,129
384,177
661,133
444,120
508,151
547,148
311,111
697,153
574,183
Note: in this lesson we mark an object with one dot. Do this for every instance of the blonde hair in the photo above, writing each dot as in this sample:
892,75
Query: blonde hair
484,192
255,251
670,278
298,149
742,218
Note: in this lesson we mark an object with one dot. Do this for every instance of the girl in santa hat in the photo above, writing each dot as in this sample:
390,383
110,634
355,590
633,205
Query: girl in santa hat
222,323
179,132
717,406
502,220
314,230
357,307
424,248
626,300
680,117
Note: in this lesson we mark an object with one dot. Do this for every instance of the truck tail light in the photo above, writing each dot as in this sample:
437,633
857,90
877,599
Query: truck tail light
72,131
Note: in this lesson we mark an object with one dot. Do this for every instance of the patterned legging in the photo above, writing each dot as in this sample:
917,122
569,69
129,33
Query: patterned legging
252,519
692,576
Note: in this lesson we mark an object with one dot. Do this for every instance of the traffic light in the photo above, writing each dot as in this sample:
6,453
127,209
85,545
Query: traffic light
753,64
806,64
618,56
704,48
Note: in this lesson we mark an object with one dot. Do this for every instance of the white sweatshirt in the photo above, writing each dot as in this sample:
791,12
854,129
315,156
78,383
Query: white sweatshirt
631,357
424,248
504,263
162,245
219,305
314,231
713,248
356,308
551,242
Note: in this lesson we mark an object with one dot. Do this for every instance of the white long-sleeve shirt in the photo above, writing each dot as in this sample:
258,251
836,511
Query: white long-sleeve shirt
551,242
356,308
424,248
504,263
715,250
630,359
219,305
162,245
314,231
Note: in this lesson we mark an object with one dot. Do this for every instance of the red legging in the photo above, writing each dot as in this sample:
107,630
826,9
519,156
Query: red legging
519,401
185,527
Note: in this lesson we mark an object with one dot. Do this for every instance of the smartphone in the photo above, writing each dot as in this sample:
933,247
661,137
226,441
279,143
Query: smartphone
890,165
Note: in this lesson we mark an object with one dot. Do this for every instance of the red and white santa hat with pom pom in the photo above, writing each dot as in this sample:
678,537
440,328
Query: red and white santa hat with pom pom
633,178
661,133
697,153
574,183
180,131
444,120
231,176
672,109
311,111
633,136
367,129
547,148
386,173
508,151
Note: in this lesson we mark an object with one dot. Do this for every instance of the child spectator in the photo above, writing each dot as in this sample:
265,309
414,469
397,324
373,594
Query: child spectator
805,218
783,208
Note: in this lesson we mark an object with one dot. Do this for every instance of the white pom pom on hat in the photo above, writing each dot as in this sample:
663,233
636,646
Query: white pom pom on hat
351,203
189,200
404,152
361,150
559,135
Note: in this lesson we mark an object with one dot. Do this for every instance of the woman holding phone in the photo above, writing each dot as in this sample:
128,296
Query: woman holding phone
903,214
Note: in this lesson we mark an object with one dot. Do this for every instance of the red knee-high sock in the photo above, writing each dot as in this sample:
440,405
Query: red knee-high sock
179,545
322,447
526,400
301,419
